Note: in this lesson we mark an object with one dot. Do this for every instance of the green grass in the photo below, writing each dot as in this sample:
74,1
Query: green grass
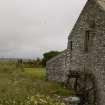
35,72
21,84
50,87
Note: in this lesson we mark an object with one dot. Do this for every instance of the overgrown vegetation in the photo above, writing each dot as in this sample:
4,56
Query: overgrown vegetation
27,86
38,73
49,55
39,62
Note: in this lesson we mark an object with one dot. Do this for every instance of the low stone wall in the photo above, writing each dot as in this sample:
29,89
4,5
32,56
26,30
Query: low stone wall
55,69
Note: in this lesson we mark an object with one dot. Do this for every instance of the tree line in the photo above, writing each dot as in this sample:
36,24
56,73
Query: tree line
38,62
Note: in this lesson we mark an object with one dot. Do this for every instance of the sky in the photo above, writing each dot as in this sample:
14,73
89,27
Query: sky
29,28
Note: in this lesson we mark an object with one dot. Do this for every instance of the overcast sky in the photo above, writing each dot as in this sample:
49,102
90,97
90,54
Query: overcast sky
28,28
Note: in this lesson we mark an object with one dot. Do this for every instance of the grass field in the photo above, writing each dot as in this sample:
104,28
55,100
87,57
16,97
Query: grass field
50,87
27,86
36,72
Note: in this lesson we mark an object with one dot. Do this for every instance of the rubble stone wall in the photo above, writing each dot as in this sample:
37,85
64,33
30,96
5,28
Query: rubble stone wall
81,59
56,68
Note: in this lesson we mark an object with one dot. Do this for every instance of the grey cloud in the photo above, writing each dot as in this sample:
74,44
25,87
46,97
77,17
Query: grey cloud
30,27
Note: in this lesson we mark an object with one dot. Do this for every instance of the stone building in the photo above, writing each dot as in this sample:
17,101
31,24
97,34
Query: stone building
82,64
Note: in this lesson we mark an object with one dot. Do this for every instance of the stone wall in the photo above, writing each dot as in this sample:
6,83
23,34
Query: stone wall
82,66
92,19
56,68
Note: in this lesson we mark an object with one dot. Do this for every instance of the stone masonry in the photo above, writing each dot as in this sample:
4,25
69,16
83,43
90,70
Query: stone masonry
56,68
82,64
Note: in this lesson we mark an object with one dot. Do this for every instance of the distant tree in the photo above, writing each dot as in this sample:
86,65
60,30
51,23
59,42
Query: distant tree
30,63
38,62
48,55
19,61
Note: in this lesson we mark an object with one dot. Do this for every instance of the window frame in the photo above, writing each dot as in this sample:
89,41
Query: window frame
86,41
